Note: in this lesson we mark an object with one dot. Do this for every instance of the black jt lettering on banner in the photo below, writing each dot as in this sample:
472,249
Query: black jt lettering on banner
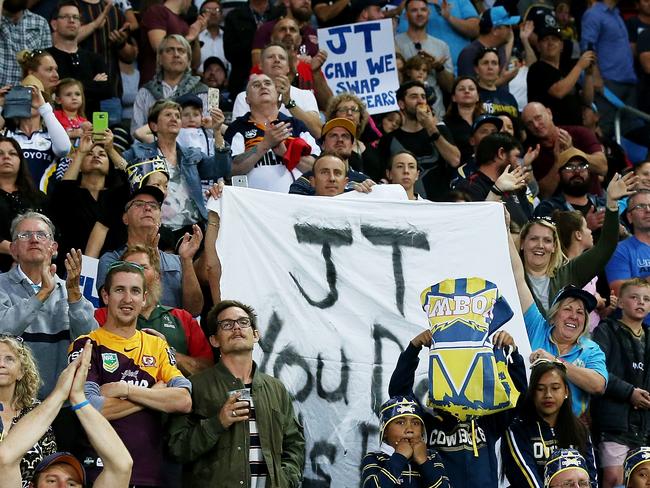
378,236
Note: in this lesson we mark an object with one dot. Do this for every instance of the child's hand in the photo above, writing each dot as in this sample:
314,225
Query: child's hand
75,133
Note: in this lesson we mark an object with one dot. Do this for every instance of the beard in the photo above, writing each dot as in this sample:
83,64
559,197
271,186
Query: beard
575,187
301,15
14,6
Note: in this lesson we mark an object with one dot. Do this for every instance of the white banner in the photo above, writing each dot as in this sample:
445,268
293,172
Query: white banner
88,278
336,284
361,60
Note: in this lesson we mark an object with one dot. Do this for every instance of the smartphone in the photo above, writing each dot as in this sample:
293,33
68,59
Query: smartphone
213,98
100,124
240,180
590,46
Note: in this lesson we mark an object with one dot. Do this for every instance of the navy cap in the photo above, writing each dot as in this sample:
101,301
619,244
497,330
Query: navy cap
487,119
61,458
572,291
189,99
149,190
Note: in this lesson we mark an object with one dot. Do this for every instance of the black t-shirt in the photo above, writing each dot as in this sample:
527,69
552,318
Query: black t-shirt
345,17
462,132
84,66
541,76
635,27
435,174
499,100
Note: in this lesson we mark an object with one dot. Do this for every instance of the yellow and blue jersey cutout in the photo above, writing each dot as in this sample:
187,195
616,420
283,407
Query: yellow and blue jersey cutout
467,376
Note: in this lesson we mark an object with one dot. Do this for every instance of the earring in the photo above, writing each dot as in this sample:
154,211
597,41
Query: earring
566,396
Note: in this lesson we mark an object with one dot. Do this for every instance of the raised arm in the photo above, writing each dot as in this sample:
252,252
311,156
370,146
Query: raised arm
108,445
525,296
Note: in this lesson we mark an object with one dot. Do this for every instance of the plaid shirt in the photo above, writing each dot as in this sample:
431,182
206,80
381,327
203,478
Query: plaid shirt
31,32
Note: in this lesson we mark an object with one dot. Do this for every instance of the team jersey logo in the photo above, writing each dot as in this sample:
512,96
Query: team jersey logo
148,361
171,356
110,362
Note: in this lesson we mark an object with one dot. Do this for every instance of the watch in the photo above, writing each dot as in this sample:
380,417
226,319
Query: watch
435,136
291,104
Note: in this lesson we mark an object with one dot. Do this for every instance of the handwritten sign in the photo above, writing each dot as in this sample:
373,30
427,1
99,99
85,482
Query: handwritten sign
361,60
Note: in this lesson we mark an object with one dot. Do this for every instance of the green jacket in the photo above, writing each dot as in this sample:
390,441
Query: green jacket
581,270
218,457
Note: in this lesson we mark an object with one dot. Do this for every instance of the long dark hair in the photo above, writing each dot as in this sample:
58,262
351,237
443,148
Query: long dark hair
453,106
24,181
569,431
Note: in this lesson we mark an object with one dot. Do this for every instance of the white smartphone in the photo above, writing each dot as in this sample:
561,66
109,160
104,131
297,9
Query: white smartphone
240,180
213,98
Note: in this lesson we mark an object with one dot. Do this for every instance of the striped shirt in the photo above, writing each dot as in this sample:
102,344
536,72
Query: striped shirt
258,467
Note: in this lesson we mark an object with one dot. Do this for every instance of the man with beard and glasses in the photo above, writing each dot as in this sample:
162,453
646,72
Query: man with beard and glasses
426,137
553,139
19,29
74,62
298,10
573,191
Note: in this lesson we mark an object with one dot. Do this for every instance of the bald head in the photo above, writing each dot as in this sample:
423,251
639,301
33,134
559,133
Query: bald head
538,120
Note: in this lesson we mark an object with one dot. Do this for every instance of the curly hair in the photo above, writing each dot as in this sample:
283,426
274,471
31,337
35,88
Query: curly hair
330,113
27,386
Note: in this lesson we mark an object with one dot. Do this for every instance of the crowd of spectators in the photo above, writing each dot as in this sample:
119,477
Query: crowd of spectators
120,119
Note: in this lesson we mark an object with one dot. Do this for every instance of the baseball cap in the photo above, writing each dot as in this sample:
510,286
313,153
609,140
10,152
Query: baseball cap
347,124
61,458
214,60
487,119
572,291
190,99
149,190
571,154
496,16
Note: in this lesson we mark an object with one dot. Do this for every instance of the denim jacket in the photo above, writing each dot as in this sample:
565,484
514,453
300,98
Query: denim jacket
196,168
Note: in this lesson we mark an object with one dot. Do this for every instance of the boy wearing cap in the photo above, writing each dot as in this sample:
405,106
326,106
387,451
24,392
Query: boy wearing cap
556,88
566,468
495,27
621,415
403,459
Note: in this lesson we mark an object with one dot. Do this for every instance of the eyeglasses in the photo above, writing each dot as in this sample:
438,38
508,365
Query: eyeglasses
348,110
125,264
544,219
641,206
143,204
76,18
228,324
573,168
489,50
211,10
75,59
572,484
39,235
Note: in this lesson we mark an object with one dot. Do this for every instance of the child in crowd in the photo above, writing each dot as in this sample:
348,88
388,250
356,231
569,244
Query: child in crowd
194,131
70,102
404,459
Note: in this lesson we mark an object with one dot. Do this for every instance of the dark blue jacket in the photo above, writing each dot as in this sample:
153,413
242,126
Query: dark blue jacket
526,447
467,449
381,470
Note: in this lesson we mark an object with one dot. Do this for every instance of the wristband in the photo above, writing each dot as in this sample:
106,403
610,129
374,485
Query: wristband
496,191
435,136
79,405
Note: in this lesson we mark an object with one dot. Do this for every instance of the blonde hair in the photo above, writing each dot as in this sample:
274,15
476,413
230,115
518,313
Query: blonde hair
348,97
557,257
630,283
30,60
27,386
555,308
